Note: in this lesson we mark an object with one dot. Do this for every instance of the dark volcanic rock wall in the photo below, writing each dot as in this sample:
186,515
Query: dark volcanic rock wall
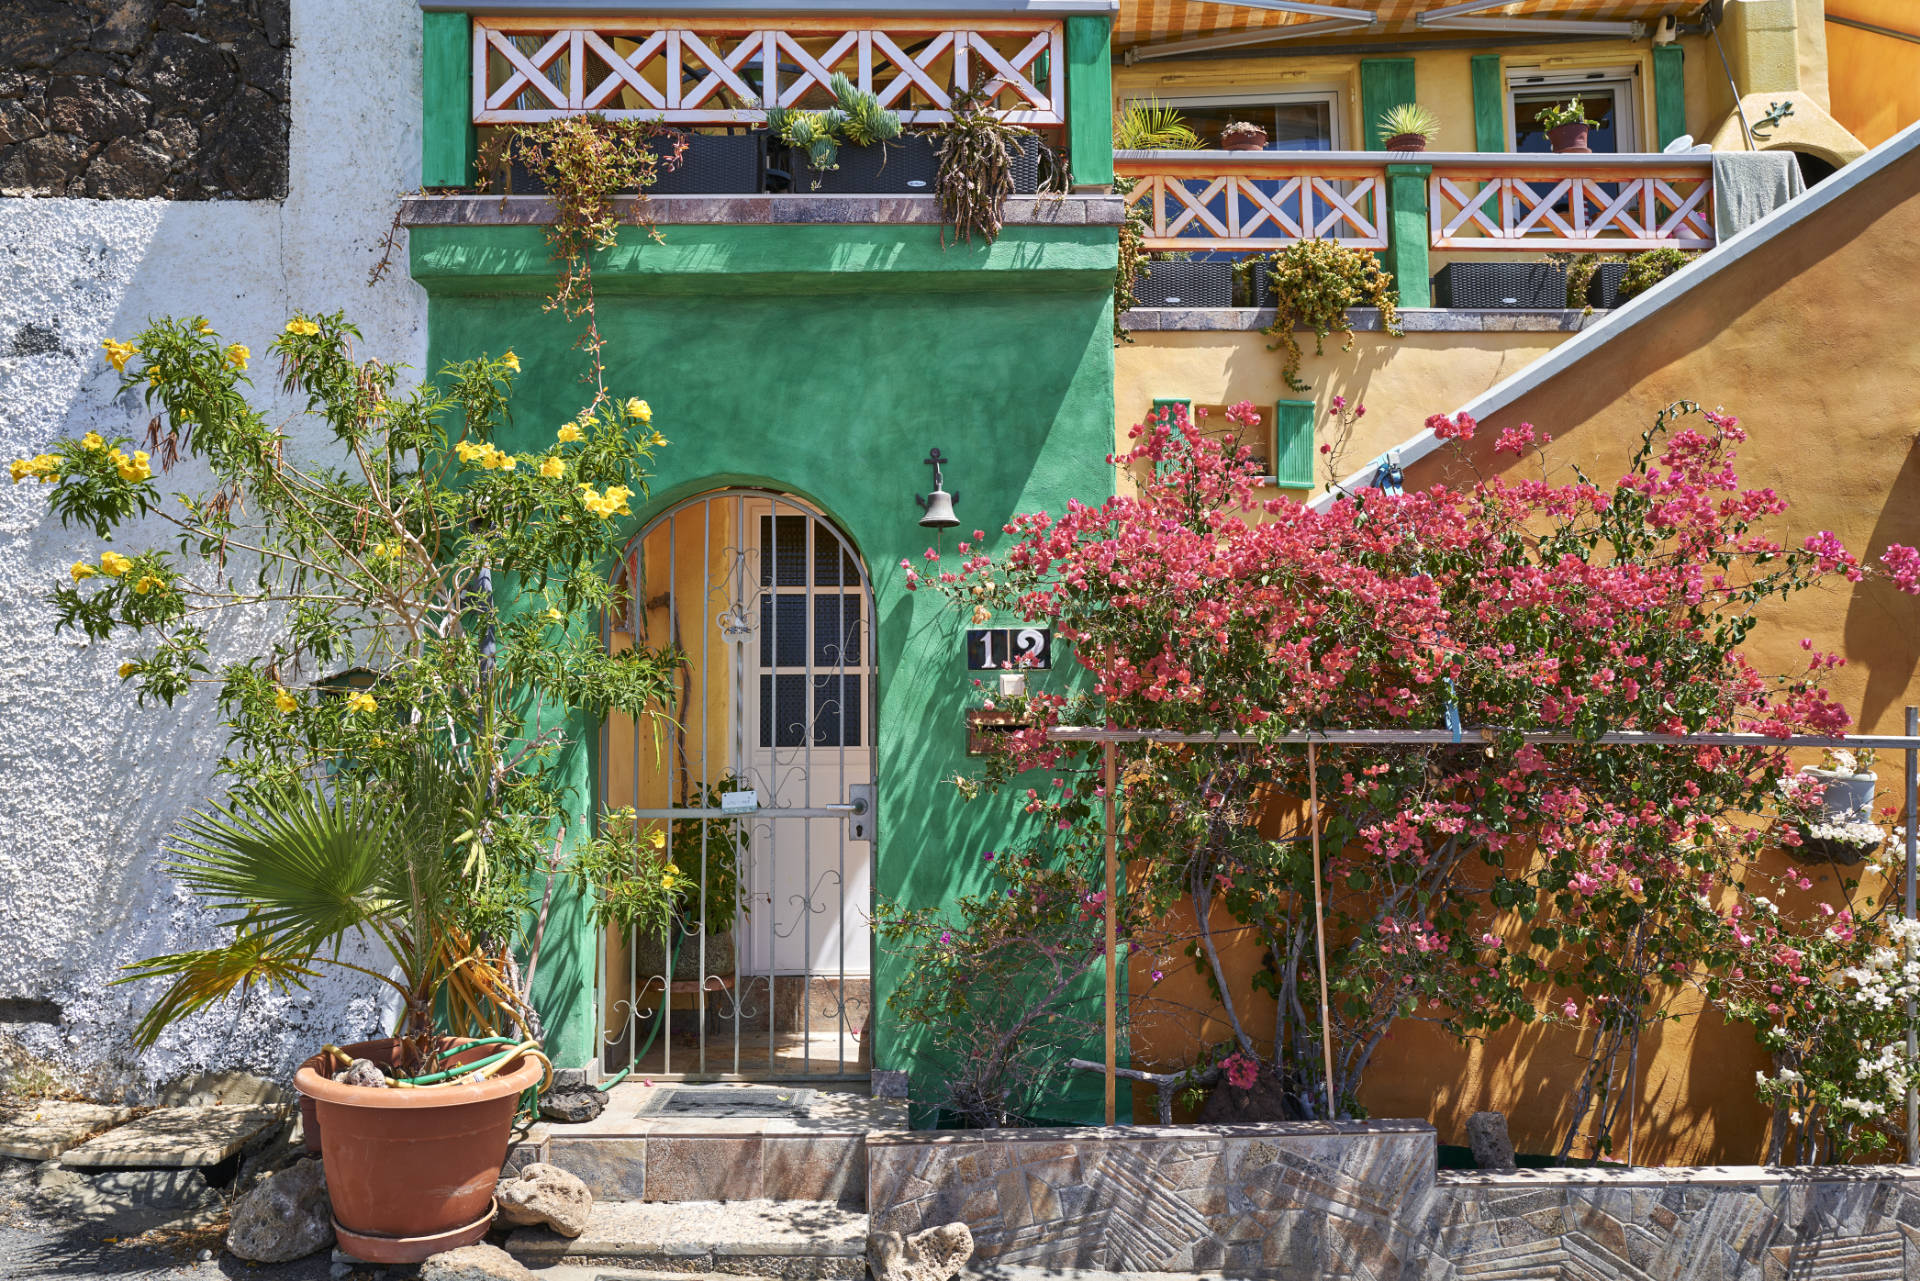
125,99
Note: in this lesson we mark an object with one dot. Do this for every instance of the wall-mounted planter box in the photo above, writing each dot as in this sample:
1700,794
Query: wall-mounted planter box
985,726
909,167
1603,291
714,164
1477,286
717,164
1185,284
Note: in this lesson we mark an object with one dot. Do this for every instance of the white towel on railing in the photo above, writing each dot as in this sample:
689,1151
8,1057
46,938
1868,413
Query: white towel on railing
1749,185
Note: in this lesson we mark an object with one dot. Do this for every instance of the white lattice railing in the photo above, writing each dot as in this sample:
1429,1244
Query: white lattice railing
695,70
1266,200
1257,200
1573,203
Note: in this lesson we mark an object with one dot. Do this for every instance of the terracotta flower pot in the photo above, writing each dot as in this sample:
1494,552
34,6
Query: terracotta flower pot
1407,142
411,1172
1569,140
1244,140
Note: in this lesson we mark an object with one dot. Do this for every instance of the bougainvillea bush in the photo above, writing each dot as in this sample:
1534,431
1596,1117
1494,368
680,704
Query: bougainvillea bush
1466,884
387,584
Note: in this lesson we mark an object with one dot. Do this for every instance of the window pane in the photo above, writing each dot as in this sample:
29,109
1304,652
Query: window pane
783,631
783,711
836,630
1597,103
836,711
832,566
788,554
1290,126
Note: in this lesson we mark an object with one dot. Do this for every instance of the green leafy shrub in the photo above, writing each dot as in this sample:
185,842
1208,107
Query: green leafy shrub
1314,282
1646,270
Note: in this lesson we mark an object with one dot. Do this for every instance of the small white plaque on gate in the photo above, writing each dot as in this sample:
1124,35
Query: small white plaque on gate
739,802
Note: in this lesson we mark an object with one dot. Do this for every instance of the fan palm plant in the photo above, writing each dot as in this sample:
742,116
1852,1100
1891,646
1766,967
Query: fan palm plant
1147,124
297,869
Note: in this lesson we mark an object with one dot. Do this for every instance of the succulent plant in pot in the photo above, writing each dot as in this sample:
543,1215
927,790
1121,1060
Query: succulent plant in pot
1566,124
1243,135
1408,127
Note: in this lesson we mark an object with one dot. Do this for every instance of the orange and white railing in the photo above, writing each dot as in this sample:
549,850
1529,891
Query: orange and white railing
727,69
1266,200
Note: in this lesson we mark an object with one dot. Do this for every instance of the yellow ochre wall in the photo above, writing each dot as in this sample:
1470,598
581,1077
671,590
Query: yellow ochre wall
1874,79
1442,80
1794,340
1399,380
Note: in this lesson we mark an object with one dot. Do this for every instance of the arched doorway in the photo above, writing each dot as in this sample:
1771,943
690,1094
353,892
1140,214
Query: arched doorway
757,796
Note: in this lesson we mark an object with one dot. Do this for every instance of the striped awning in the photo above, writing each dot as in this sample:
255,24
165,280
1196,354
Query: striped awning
1158,21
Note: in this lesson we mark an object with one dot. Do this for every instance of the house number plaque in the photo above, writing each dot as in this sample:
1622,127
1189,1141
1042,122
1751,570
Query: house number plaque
994,648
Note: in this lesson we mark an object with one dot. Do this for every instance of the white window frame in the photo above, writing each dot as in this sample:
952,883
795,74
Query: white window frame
1332,96
1624,81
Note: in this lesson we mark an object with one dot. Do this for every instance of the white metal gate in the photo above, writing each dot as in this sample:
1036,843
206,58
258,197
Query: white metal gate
760,790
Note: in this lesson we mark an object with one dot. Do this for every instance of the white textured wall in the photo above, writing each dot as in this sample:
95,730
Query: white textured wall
89,784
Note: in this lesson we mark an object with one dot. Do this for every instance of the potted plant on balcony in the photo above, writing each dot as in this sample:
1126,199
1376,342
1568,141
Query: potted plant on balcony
982,161
1312,283
1243,135
1566,124
855,147
1408,127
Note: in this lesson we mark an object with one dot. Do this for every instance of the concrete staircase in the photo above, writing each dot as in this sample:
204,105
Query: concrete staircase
775,1186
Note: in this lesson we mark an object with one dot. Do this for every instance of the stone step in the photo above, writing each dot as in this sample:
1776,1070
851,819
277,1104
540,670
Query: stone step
789,1239
179,1138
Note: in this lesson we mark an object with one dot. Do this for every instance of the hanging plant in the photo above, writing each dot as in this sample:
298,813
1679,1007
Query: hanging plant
1314,282
977,150
584,162
1646,270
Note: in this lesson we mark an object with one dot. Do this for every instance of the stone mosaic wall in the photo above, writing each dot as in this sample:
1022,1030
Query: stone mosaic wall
1365,1202
127,99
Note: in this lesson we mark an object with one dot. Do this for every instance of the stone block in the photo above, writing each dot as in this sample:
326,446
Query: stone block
42,1129
612,1169
178,1138
705,1169
815,1168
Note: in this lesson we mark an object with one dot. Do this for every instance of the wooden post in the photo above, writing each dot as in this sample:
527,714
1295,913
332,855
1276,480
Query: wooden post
1319,924
1106,752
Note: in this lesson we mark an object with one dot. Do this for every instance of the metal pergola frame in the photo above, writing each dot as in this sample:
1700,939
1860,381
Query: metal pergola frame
1908,744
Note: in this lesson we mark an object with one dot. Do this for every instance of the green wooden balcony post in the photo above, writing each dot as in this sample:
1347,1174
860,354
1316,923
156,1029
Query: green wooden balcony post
1407,232
1090,100
446,100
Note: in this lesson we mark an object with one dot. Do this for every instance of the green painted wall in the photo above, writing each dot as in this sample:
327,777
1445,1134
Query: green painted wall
1090,100
826,361
1408,233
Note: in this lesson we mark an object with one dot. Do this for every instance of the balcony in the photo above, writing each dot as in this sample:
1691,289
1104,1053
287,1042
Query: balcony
1261,201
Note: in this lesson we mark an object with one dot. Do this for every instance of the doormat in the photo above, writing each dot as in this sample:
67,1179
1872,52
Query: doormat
726,1101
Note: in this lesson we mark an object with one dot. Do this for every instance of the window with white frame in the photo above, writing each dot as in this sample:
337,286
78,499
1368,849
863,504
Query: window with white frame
1607,95
1304,121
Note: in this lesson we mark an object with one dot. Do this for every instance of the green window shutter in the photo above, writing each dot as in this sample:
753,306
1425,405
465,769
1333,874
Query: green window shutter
1090,99
1489,104
1384,83
1160,468
446,100
1669,92
1293,444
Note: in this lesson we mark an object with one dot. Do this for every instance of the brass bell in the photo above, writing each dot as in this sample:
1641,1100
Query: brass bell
938,505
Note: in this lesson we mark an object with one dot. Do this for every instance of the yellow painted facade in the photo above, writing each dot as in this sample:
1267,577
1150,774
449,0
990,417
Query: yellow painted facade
1874,76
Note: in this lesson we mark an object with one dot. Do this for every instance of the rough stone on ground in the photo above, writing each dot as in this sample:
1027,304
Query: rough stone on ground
126,1203
233,1089
545,1196
936,1254
1487,1136
42,1129
363,1072
285,1217
572,1105
474,1263
177,1138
